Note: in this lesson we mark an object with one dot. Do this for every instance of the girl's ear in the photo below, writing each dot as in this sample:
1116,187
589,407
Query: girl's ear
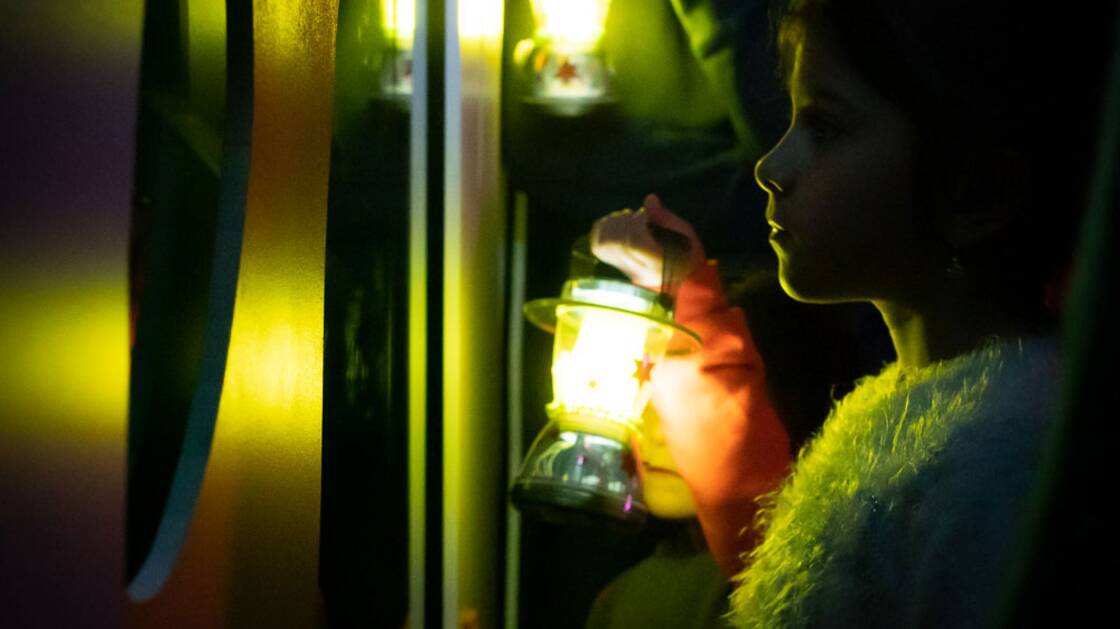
992,189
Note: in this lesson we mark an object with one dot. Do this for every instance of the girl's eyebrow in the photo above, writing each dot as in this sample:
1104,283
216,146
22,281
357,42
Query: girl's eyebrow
825,94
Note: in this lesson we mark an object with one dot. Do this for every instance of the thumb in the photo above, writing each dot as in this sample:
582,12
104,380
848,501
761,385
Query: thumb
662,217
659,214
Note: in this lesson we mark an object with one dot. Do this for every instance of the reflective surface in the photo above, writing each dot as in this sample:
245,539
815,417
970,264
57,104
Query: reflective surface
250,556
664,133
185,242
570,477
364,533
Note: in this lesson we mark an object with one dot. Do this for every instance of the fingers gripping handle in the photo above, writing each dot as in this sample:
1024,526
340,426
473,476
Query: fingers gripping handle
674,258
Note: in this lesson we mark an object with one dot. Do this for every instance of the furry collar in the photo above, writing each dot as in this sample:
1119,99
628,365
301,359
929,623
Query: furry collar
902,510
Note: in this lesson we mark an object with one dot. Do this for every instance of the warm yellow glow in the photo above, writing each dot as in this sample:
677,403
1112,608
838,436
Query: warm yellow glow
664,490
601,363
253,535
272,360
398,20
65,344
573,24
480,19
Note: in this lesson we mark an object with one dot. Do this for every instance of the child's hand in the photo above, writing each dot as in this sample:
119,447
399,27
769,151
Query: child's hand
623,240
722,433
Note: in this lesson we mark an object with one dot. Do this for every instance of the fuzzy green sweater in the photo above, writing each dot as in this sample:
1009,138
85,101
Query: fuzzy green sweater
908,509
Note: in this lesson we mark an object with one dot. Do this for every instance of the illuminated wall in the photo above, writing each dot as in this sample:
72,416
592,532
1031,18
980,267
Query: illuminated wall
253,537
68,76
247,550
250,555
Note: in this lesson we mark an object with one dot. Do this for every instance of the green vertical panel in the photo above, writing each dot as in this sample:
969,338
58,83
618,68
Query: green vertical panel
187,219
364,536
206,58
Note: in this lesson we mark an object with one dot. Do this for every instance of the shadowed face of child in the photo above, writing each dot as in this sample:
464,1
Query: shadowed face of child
665,492
844,222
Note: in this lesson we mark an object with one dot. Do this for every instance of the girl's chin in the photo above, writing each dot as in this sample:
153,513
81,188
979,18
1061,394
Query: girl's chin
794,286
667,496
802,286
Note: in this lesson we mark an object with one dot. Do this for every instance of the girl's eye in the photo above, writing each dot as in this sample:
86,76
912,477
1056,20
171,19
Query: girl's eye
820,128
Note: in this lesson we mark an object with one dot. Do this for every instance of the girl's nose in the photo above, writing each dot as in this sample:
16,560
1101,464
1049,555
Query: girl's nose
766,175
774,170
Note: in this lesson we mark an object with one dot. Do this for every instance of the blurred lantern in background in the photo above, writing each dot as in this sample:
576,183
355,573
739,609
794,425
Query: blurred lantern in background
570,70
398,24
610,334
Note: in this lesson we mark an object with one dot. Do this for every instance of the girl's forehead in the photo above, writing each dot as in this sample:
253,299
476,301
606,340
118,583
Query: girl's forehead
817,67
821,75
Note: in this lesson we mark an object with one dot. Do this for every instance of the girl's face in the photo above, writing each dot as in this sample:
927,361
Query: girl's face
842,210
665,492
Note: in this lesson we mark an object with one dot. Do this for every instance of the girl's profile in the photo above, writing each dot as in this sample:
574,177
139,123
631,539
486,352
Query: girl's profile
934,166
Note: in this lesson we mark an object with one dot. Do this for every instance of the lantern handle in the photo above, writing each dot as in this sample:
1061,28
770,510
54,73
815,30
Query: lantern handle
674,253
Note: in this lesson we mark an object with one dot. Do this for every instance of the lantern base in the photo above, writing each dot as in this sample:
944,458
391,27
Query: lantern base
563,504
570,107
573,477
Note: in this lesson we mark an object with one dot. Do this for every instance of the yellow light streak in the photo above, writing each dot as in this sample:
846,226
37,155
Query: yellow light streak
571,24
480,19
398,22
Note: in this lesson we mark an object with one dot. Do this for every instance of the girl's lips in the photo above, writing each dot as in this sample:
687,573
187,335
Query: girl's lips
777,234
775,226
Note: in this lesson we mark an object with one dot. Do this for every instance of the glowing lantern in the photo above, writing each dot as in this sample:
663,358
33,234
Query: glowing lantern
610,335
570,71
398,25
572,25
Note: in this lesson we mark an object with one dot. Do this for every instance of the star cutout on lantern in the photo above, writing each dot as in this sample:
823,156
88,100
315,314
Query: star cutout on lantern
566,72
642,369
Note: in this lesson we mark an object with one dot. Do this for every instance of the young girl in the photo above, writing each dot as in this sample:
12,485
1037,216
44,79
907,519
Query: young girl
934,166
